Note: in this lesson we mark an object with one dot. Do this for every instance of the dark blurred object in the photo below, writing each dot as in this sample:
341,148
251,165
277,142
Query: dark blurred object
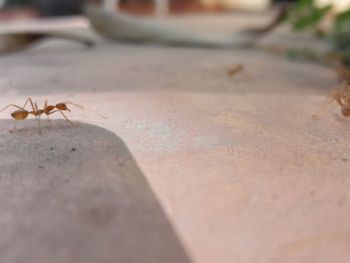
279,18
14,42
58,7
49,7
18,3
343,73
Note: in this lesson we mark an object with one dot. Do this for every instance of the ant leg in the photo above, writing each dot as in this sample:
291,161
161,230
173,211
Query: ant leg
337,98
47,115
67,118
21,108
39,122
12,105
63,116
36,106
37,109
14,128
31,103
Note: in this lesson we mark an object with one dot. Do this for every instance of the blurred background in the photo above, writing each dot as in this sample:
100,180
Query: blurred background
34,8
18,8
326,19
227,136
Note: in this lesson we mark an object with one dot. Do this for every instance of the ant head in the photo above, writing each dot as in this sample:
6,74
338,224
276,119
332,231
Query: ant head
62,106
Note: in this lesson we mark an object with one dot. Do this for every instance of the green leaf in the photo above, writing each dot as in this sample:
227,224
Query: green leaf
300,8
311,19
342,19
302,4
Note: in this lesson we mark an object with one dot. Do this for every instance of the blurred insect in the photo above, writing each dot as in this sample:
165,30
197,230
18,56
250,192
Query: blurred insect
343,73
22,113
341,96
234,70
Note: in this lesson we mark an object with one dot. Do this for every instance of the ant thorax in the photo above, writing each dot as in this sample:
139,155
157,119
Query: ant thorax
48,109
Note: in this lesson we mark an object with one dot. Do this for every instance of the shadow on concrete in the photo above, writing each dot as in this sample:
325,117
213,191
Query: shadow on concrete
76,194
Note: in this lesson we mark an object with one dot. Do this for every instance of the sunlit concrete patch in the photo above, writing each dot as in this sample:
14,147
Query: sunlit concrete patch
155,137
75,194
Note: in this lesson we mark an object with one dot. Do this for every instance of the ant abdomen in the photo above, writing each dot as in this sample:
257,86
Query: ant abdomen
20,114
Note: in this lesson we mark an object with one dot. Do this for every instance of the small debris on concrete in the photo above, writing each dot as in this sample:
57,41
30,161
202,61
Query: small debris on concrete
234,70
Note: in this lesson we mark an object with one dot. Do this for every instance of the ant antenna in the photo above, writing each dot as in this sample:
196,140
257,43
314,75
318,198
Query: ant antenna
84,108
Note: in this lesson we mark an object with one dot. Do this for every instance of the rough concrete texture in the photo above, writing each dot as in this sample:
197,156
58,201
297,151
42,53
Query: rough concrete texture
75,194
240,166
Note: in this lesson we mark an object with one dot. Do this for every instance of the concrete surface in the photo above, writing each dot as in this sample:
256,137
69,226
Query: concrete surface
75,194
241,168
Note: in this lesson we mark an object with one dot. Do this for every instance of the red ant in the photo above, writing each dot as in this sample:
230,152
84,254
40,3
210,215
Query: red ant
22,113
342,97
